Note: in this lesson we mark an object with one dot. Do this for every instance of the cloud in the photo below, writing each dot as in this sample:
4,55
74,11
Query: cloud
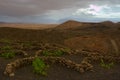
32,7
55,10
92,10
103,11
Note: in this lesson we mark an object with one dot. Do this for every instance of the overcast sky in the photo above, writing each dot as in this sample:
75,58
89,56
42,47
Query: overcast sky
56,11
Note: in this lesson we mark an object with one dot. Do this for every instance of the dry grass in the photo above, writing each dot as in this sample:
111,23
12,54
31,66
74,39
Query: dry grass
28,26
90,43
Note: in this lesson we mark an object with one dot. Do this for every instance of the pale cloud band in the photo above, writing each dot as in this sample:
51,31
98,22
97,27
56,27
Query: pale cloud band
103,11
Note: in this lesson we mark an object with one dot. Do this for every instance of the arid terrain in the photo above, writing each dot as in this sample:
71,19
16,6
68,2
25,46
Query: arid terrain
28,26
73,50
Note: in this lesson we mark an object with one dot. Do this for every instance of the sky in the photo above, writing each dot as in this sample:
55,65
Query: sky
58,11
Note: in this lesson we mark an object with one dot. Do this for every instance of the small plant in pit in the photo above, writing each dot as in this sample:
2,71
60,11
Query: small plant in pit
39,66
5,41
26,44
52,52
67,49
8,54
7,47
106,65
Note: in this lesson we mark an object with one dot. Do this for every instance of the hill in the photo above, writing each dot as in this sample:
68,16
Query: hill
69,25
75,25
72,50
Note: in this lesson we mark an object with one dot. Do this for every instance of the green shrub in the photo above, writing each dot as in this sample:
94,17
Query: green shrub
7,52
27,44
5,41
67,49
39,66
52,52
8,55
106,65
58,52
7,47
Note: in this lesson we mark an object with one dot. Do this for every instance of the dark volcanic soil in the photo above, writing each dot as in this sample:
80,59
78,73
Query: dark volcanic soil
59,72
92,39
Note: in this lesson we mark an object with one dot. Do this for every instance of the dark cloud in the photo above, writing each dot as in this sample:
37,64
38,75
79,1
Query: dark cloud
16,9
32,7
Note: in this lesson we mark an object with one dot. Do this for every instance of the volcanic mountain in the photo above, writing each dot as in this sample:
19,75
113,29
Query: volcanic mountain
75,25
108,23
69,25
